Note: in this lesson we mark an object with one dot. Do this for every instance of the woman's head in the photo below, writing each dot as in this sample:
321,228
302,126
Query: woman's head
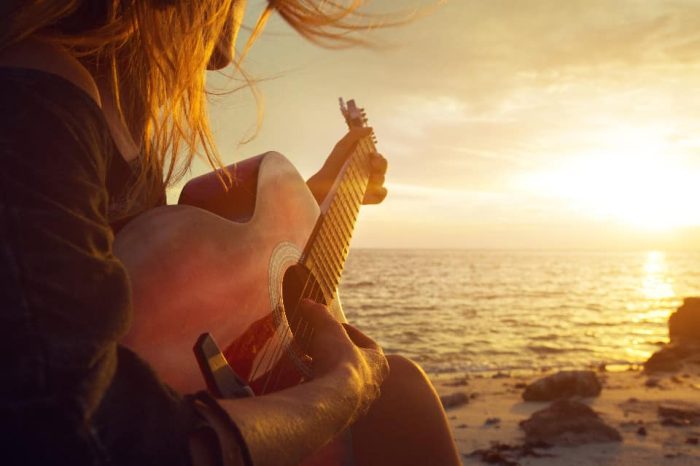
154,53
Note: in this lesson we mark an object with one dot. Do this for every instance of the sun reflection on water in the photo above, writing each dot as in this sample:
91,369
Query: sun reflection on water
657,284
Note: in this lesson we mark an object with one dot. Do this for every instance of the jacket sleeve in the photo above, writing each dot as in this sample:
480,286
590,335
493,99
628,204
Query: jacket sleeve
68,390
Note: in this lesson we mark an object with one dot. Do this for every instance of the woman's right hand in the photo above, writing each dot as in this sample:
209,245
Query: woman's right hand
342,349
349,368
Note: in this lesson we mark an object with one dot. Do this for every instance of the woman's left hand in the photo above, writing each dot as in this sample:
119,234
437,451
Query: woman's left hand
321,182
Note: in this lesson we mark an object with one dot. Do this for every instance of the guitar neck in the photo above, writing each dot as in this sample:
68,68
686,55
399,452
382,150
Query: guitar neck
329,244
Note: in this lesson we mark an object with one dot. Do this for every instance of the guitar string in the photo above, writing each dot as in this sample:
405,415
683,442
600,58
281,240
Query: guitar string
282,342
302,336
296,334
291,333
305,335
308,331
364,182
276,358
277,370
280,370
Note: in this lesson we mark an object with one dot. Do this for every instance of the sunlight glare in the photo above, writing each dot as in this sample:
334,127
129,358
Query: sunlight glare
634,179
656,283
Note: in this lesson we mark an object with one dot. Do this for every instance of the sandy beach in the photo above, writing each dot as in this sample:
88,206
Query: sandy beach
629,402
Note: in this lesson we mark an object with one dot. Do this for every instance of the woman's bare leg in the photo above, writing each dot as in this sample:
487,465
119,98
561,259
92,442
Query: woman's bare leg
407,425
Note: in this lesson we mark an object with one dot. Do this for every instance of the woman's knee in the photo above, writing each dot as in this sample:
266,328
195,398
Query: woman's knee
405,370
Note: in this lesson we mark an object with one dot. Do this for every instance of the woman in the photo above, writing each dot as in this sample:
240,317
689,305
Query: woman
102,106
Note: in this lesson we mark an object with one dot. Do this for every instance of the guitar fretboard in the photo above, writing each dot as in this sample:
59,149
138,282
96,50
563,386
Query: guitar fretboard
328,246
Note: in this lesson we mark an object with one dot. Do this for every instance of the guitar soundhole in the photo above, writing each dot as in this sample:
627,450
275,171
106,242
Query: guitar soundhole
298,283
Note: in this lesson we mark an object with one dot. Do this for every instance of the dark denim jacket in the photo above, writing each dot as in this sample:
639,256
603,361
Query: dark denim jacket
69,394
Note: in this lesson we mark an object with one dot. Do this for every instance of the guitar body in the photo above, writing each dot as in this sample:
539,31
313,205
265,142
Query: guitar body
229,263
217,265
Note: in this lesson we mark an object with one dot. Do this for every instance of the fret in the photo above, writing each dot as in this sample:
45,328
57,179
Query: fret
334,273
322,268
337,217
347,193
328,262
316,266
340,245
330,240
323,241
328,248
331,261
343,214
359,179
354,198
356,168
354,181
329,281
341,221
345,200
363,169
351,172
350,188
347,209
333,239
356,194
338,240
327,255
358,157
329,229
354,173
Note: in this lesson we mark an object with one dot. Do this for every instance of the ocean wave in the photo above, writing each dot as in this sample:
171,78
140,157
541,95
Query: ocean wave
549,337
546,349
362,284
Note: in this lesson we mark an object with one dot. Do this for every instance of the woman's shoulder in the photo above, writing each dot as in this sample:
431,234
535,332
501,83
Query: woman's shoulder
33,55
49,118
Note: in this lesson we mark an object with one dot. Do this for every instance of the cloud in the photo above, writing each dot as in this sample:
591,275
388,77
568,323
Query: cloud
483,93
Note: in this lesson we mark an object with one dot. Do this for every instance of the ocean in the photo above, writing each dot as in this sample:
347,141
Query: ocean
457,311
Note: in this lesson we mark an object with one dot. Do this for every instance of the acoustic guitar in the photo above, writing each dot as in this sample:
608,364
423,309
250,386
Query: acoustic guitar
235,263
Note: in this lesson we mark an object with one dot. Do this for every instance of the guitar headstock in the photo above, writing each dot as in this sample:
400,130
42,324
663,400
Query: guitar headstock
355,117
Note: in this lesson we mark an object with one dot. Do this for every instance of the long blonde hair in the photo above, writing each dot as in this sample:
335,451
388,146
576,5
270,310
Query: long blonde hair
154,53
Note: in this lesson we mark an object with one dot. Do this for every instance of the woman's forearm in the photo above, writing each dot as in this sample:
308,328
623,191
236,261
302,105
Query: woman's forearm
285,427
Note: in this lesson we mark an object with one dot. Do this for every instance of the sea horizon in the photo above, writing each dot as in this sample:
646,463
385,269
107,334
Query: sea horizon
456,311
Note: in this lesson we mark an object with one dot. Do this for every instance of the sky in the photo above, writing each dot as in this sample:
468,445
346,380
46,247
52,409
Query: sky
526,124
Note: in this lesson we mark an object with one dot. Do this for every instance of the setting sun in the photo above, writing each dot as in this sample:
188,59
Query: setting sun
633,178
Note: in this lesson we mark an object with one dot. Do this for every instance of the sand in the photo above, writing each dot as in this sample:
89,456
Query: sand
629,401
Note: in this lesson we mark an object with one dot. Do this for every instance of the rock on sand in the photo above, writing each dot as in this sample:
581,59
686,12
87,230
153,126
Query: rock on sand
569,423
685,322
684,333
454,399
563,384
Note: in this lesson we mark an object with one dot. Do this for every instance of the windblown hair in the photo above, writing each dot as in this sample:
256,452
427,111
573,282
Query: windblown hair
154,54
